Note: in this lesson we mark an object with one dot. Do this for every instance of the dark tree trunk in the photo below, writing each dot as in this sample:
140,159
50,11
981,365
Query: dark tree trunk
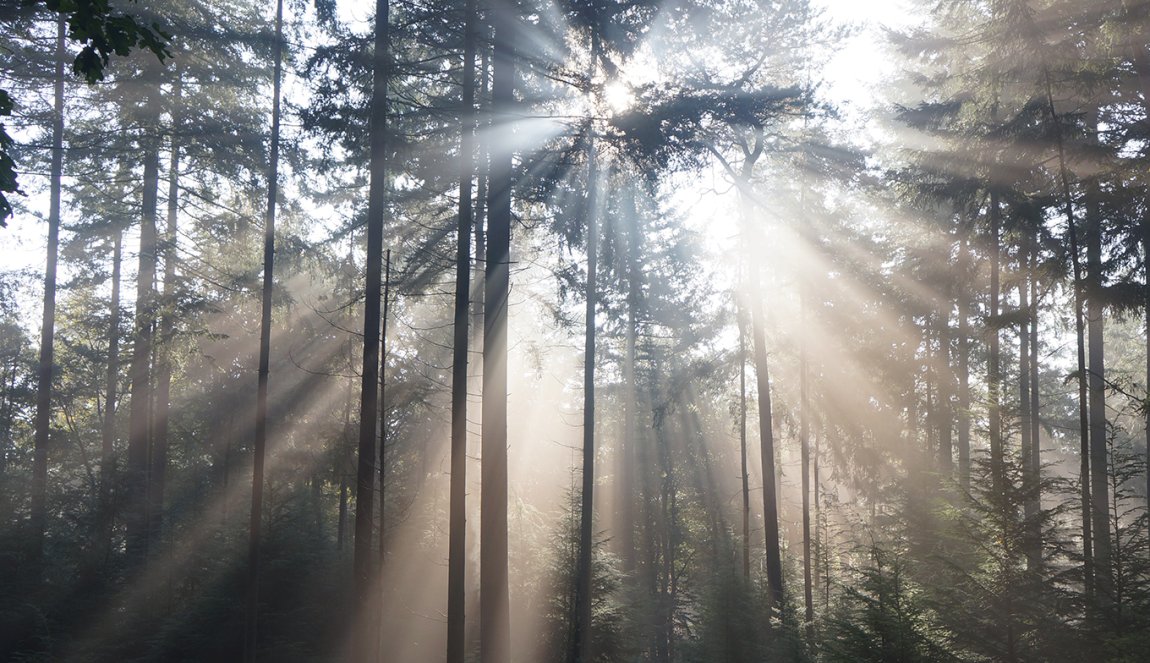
364,561
745,474
964,369
1034,461
945,392
628,483
1146,316
1080,335
581,640
1025,421
139,370
766,448
993,370
255,518
39,502
495,624
382,465
383,414
763,386
161,406
111,395
1099,465
457,526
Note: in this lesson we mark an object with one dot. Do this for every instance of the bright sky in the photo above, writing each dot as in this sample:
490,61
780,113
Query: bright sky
851,75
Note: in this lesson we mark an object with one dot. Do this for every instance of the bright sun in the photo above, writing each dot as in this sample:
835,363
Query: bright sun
618,96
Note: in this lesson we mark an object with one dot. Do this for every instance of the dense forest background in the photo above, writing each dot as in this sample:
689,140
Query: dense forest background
574,330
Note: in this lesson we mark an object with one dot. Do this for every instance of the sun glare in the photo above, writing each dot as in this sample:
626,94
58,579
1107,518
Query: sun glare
618,96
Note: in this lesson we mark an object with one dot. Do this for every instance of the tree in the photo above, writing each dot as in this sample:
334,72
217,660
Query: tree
457,553
48,325
251,635
494,609
103,32
369,390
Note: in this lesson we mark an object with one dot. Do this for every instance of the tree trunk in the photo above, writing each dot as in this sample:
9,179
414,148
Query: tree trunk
139,370
1146,316
1100,510
383,414
494,601
1083,415
964,370
745,474
161,405
364,561
1025,421
111,393
382,465
766,448
39,502
581,640
457,526
805,454
255,518
993,370
1034,461
628,482
945,394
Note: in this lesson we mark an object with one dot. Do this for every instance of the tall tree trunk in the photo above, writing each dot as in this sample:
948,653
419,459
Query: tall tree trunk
993,370
1099,464
1025,420
139,370
762,384
39,502
1142,68
805,458
161,405
1080,335
383,411
745,474
382,478
364,562
964,369
945,391
581,640
111,394
668,538
628,483
255,517
457,526
766,447
1146,316
495,619
1034,461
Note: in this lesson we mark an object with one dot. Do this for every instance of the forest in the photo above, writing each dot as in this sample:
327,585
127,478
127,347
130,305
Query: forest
573,331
